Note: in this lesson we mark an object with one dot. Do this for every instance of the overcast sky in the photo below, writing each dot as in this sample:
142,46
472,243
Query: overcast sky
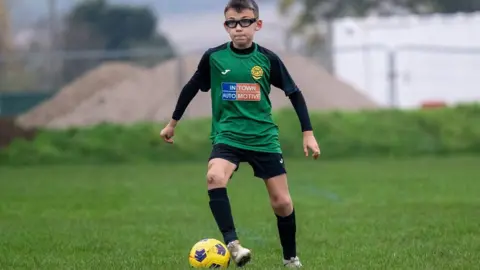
179,20
23,13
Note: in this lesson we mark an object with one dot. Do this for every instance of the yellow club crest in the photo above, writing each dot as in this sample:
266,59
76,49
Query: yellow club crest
257,72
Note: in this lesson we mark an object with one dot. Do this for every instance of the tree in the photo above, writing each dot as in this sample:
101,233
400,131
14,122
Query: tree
98,25
449,6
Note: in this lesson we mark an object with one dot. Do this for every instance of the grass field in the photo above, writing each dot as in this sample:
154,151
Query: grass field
410,214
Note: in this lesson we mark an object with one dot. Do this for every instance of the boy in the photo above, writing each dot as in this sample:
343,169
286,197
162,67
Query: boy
239,74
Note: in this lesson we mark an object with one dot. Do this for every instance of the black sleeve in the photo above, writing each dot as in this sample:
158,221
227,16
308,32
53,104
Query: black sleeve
280,78
300,106
199,81
279,75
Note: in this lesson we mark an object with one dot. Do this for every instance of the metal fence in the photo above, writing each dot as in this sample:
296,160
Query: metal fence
49,71
403,76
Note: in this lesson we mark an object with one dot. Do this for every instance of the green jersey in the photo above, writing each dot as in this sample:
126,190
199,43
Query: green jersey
240,83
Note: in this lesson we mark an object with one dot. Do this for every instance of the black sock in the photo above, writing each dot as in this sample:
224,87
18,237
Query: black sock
287,230
220,206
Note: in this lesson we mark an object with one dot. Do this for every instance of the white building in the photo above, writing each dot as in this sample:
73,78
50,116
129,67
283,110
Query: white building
437,57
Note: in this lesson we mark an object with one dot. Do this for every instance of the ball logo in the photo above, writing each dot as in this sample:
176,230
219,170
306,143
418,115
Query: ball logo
200,255
221,250
257,72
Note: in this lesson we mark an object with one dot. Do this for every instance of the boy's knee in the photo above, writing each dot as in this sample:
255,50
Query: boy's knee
219,172
282,205
216,178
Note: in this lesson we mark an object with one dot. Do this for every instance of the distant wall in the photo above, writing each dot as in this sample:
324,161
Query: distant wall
437,57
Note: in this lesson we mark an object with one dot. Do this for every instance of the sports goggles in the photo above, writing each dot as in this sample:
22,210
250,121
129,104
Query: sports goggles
243,23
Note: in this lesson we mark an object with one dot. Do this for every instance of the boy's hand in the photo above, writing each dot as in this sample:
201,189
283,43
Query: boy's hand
168,132
309,142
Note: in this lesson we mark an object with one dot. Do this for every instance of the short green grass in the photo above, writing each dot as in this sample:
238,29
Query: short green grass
370,214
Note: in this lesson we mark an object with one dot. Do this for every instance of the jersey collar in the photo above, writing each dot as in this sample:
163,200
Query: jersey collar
242,52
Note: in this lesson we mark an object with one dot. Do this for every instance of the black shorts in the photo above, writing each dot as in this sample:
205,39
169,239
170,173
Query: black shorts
265,165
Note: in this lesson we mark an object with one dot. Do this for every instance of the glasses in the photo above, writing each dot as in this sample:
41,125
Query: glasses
243,23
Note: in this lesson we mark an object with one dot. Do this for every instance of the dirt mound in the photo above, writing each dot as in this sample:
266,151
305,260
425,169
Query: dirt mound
135,99
151,95
66,100
10,131
322,91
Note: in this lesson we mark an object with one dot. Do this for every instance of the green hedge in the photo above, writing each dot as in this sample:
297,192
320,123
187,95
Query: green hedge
381,133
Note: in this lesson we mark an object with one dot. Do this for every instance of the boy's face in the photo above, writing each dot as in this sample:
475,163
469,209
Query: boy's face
241,26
